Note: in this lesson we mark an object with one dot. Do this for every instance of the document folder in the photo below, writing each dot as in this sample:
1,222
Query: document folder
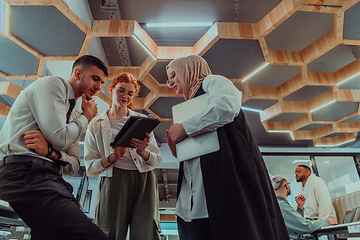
192,147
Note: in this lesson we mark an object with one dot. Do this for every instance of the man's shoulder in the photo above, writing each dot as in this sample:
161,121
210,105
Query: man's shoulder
315,179
53,79
284,206
281,200
48,82
47,87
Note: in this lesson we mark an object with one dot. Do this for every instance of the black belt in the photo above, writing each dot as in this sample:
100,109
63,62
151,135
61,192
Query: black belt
25,158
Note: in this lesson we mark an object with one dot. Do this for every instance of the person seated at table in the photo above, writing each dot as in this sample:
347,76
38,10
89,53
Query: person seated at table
298,227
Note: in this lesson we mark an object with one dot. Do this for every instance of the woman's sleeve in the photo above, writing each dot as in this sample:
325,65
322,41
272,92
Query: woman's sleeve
155,156
92,157
224,104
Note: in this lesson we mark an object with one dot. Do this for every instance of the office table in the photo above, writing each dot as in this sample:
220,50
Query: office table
8,216
346,230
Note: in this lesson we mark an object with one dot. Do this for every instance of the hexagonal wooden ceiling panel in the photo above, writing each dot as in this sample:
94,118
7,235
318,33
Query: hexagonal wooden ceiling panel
295,61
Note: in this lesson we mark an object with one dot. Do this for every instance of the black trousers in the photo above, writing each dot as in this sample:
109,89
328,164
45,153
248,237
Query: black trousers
44,201
198,229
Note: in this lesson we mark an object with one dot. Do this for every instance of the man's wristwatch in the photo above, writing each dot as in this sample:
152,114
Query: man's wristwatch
50,149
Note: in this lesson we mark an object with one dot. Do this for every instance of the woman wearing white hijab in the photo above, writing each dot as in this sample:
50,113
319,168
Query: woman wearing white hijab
227,193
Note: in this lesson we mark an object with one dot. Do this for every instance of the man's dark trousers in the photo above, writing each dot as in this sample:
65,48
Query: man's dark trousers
44,201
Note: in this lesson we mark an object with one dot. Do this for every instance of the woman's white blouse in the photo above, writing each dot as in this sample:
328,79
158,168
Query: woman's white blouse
97,146
224,103
126,161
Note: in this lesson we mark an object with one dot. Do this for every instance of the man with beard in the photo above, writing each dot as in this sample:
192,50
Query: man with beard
318,204
298,227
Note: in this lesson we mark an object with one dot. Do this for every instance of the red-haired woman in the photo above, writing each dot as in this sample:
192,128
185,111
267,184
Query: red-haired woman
128,193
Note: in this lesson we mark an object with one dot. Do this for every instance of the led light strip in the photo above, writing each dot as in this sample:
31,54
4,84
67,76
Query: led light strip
347,79
292,136
324,145
188,24
283,131
147,50
251,109
323,106
301,161
279,131
332,145
257,70
344,142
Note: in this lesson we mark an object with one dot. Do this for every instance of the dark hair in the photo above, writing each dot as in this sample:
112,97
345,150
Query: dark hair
126,78
87,61
304,166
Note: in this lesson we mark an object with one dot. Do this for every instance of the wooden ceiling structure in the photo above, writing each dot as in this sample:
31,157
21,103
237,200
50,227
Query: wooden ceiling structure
344,131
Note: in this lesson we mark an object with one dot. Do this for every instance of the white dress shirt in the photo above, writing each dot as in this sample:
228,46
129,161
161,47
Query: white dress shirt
43,106
224,103
318,203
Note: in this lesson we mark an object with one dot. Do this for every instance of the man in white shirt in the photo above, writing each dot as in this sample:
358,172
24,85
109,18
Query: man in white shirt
298,227
39,142
318,204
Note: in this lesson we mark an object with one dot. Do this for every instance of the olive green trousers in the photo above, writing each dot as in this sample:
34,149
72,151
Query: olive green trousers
128,199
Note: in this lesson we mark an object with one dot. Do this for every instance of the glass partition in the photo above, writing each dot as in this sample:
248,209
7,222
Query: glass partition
339,173
285,166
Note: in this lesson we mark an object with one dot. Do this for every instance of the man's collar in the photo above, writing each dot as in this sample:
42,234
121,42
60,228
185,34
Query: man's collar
280,197
71,91
309,178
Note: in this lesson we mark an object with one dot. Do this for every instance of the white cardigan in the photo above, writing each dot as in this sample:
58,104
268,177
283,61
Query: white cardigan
97,146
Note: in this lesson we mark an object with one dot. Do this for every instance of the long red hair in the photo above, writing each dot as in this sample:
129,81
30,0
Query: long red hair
126,78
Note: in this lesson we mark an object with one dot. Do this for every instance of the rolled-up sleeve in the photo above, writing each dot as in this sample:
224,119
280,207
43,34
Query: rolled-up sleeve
224,103
154,159
72,156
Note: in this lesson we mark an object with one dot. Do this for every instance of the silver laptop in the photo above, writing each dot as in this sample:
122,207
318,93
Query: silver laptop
192,147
